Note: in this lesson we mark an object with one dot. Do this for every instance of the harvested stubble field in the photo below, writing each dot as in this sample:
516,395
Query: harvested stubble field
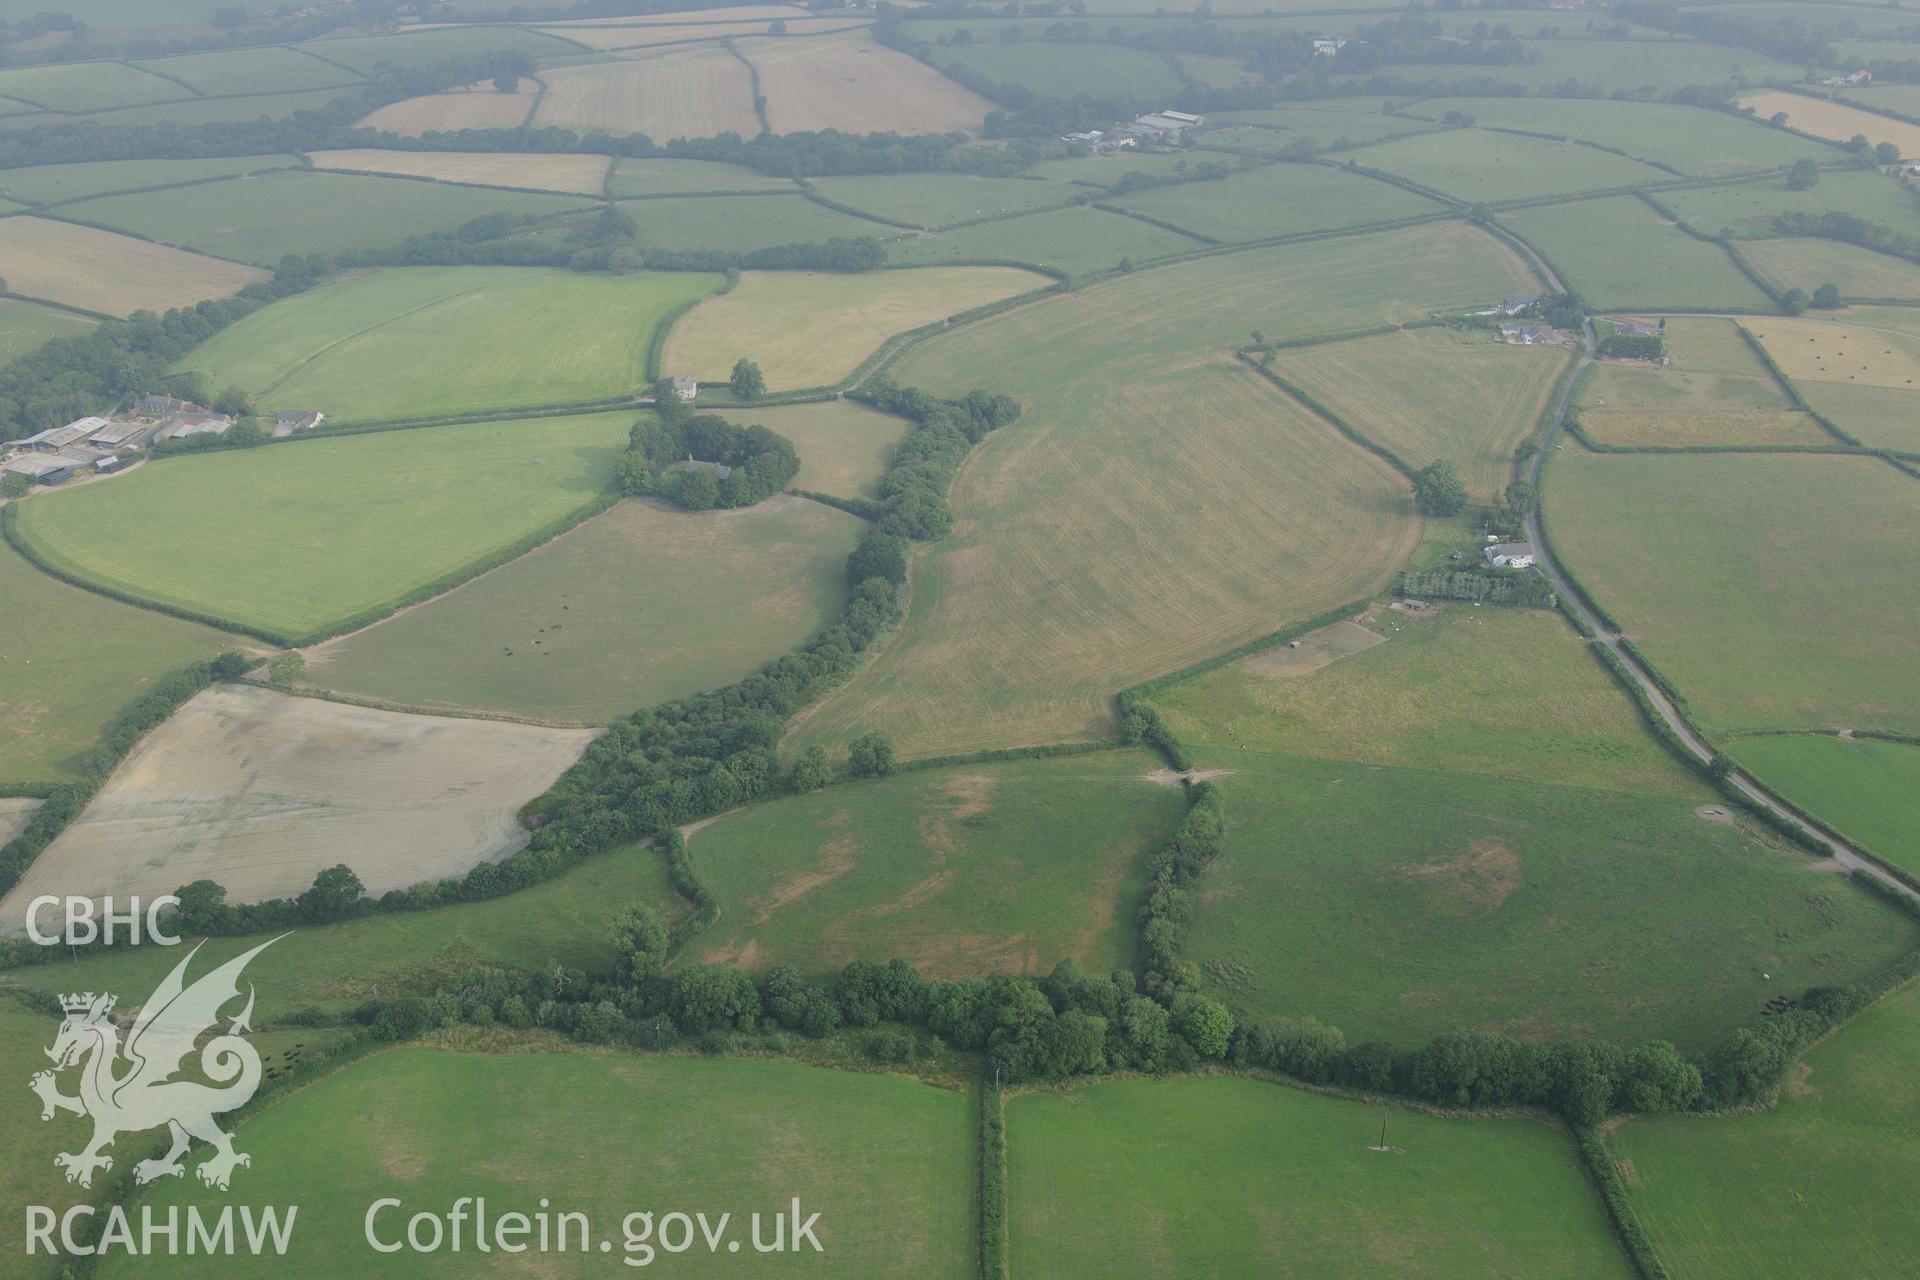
52,183
884,1159
1634,428
1508,692
1001,868
1617,253
1834,120
73,659
473,338
844,446
583,175
1278,200
260,791
1158,503
942,199
298,537
1807,263
1268,1180
1839,351
1474,165
474,106
1734,577
695,92
1695,140
855,84
1818,1185
1399,904
1435,393
1862,787
117,275
811,328
640,604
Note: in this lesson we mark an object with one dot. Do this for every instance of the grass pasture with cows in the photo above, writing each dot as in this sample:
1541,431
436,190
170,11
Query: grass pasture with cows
300,537
993,868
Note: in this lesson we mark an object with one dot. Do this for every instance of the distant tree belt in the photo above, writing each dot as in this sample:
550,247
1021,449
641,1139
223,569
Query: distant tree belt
760,461
1633,346
1847,227
1782,37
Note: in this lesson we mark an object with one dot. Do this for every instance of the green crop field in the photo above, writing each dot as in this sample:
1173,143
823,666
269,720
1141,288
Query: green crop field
1862,788
268,70
1328,128
1278,200
53,183
419,48
1879,417
1747,209
1626,65
1230,1177
942,199
742,223
1074,242
1723,570
844,446
1821,1185
640,604
437,341
90,87
1061,68
1400,903
1697,141
191,111
883,1160
1221,509
1435,393
669,177
1508,692
1476,166
25,327
299,537
261,220
73,659
997,868
1808,263
1618,254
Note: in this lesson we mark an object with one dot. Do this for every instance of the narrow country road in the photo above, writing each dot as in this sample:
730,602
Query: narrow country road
1844,854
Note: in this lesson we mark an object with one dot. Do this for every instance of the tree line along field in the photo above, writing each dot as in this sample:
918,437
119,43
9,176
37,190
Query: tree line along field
741,223
1816,1185
844,446
1277,200
1806,264
942,199
1619,255
1267,1180
1223,510
1071,242
300,537
260,792
882,1158
811,328
641,604
998,868
1435,393
1722,569
101,272
438,341
1747,209
1861,787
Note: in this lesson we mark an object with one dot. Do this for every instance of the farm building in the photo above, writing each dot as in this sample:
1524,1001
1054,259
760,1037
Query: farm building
54,439
686,388
111,463
1526,335
720,469
1635,329
45,468
288,421
122,435
204,423
1510,555
1164,124
157,406
1327,48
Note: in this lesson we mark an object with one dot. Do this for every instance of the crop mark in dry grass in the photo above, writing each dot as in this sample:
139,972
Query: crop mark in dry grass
1473,885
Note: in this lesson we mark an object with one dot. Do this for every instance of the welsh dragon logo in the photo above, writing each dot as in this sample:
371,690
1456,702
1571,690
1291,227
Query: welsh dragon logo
125,1089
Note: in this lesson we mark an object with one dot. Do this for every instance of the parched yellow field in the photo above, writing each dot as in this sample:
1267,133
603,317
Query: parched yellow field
117,275
1832,120
740,13
1428,394
810,328
260,791
1837,351
585,174
608,38
474,106
855,84
695,92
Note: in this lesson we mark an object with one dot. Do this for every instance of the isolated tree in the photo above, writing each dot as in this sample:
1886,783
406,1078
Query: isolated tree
1860,145
285,669
336,894
14,486
1208,1027
1826,297
1439,489
778,27
1886,153
1778,119
811,771
747,382
233,402
1793,301
871,756
228,665
1521,496
640,943
506,82
1803,175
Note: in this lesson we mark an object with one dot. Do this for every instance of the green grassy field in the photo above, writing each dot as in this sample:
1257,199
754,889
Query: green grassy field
433,341
419,48
1319,122
1156,504
641,604
1862,788
1820,1185
742,223
1474,165
1809,263
89,87
25,327
190,111
1749,208
1694,140
1723,569
1508,692
1435,393
267,70
261,220
883,1159
665,177
1061,69
844,446
1618,254
295,538
1399,903
1879,417
941,199
1228,1177
1278,200
71,660
1107,170
999,868
1076,242
1619,64
51,183
1715,392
